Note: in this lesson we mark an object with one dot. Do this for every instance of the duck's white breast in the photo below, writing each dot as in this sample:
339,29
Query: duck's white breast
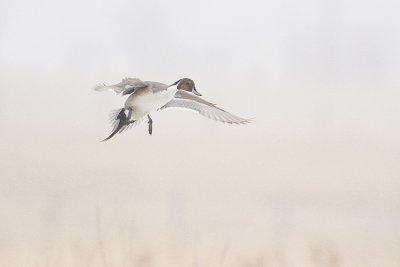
143,104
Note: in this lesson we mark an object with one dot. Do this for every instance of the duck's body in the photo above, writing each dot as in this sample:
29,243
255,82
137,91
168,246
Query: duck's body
146,97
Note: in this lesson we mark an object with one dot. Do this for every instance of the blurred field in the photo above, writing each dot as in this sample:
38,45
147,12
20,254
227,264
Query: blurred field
69,200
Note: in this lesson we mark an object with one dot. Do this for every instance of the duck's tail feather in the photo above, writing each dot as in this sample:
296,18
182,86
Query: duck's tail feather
114,120
120,122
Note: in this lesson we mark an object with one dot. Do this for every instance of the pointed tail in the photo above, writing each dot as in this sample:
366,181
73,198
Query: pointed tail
120,124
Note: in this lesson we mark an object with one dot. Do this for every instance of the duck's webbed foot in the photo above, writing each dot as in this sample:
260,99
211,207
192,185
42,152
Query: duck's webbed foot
150,125
128,118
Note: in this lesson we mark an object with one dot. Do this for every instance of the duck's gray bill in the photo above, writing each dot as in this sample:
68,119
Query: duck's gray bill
194,91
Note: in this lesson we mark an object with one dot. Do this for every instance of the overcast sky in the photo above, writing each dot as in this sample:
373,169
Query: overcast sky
307,66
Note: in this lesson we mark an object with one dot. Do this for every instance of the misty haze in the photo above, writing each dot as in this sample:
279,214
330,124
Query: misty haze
314,180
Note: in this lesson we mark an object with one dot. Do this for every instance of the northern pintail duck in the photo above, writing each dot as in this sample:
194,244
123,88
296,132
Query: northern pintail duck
146,97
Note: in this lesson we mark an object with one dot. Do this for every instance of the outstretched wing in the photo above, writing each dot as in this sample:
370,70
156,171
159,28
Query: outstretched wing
188,101
127,86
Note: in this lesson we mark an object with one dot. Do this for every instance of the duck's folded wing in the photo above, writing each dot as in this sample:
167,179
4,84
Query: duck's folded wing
127,86
185,100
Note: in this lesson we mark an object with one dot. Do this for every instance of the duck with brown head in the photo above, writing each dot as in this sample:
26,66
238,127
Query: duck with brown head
187,85
146,97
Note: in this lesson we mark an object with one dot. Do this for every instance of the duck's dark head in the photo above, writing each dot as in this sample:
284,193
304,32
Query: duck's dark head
187,85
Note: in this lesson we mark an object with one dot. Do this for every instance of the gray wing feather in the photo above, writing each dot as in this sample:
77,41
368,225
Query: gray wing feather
184,100
127,85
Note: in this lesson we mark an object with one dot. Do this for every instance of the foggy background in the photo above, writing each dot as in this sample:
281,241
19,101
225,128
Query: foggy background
313,181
